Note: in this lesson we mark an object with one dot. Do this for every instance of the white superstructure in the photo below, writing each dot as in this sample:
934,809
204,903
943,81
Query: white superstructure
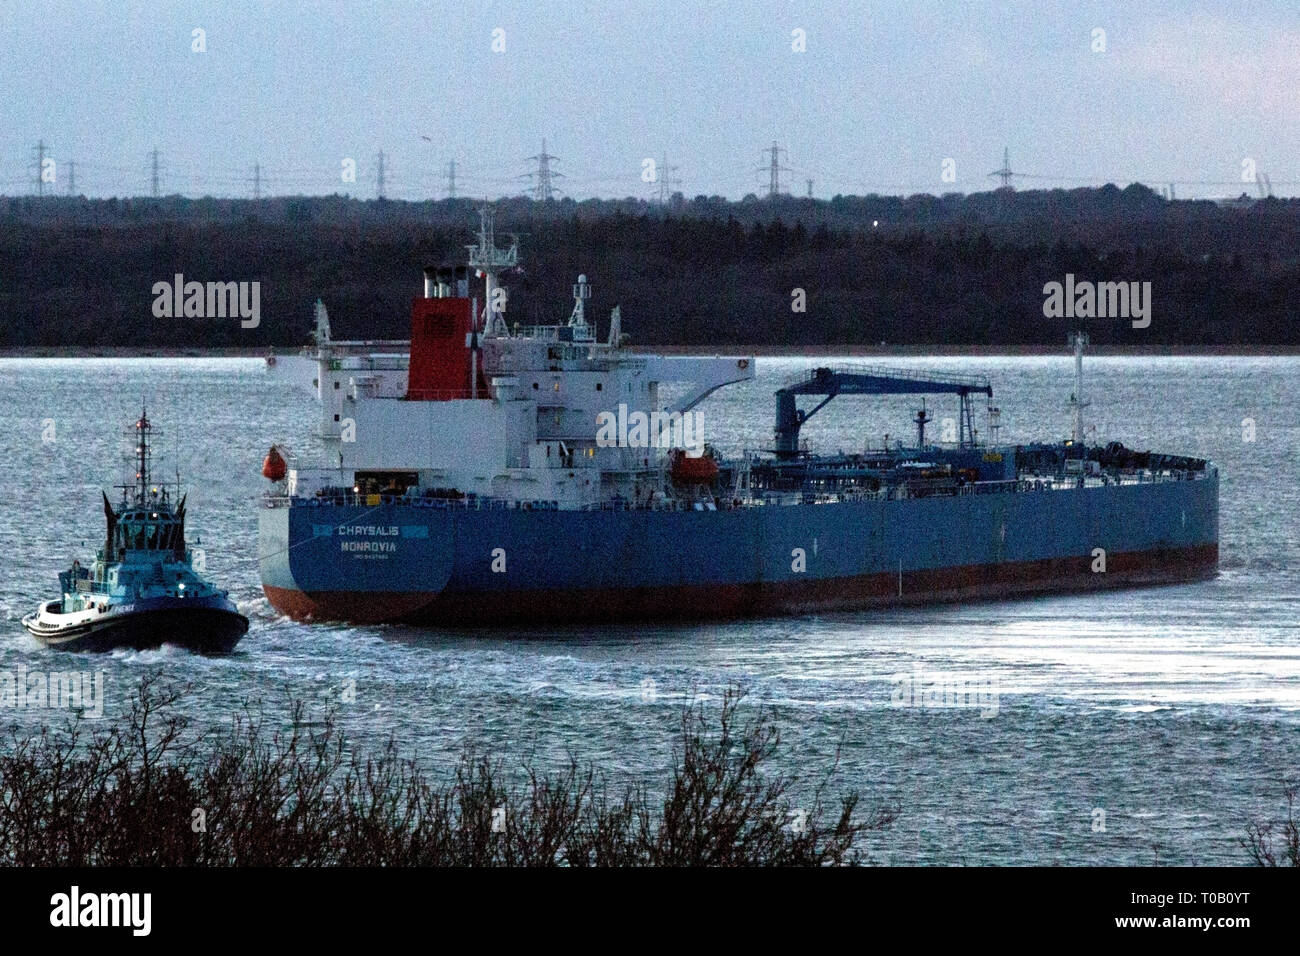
526,426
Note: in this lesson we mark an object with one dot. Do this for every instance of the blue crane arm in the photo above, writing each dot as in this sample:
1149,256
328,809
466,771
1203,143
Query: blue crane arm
860,380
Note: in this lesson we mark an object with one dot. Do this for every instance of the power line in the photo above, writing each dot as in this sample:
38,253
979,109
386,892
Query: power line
457,179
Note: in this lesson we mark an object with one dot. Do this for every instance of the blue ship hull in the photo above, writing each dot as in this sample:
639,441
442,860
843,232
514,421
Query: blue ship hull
455,565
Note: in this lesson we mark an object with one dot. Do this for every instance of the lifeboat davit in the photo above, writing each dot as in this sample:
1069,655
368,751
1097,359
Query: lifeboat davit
693,471
273,465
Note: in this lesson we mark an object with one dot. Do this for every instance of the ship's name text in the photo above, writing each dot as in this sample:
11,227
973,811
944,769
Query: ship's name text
371,547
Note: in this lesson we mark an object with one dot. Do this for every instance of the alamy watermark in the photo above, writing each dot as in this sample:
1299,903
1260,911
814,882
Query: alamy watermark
1098,300
926,691
179,299
21,689
127,910
638,429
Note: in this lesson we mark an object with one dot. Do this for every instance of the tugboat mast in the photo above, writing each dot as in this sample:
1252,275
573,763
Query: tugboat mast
143,460
142,428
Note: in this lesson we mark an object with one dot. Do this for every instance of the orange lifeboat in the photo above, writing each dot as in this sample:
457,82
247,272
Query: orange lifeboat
273,465
692,471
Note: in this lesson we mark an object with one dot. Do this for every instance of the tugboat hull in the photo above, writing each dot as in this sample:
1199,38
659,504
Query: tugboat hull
213,628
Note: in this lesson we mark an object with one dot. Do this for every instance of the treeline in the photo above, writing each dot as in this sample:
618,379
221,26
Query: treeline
919,270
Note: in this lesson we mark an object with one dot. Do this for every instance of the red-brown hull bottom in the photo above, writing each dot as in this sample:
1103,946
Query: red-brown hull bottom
976,582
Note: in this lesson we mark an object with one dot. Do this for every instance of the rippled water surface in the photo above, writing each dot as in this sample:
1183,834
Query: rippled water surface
1174,710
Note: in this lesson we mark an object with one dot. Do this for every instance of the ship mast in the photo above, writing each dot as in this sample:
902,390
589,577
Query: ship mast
488,260
578,320
138,492
1077,402
142,455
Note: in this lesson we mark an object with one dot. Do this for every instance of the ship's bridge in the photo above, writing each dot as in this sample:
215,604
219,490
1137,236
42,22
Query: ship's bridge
145,529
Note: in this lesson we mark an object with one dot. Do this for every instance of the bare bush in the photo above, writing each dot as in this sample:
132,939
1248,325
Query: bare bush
145,791
1276,842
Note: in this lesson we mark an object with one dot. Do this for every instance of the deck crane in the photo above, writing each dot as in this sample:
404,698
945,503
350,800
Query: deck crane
870,380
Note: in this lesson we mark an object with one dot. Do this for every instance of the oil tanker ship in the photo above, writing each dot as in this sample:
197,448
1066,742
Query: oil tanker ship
483,473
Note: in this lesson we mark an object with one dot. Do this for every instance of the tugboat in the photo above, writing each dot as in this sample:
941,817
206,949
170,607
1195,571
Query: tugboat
142,590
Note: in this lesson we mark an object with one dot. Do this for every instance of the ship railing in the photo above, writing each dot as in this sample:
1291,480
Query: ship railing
442,394
470,503
1142,477
548,332
1008,486
553,333
371,363
755,498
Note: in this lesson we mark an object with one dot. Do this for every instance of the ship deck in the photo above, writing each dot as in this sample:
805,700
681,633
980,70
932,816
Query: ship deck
896,491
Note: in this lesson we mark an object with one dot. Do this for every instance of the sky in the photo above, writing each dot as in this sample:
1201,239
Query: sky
869,97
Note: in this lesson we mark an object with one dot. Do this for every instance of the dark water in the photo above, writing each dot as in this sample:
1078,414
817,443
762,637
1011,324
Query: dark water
1175,711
